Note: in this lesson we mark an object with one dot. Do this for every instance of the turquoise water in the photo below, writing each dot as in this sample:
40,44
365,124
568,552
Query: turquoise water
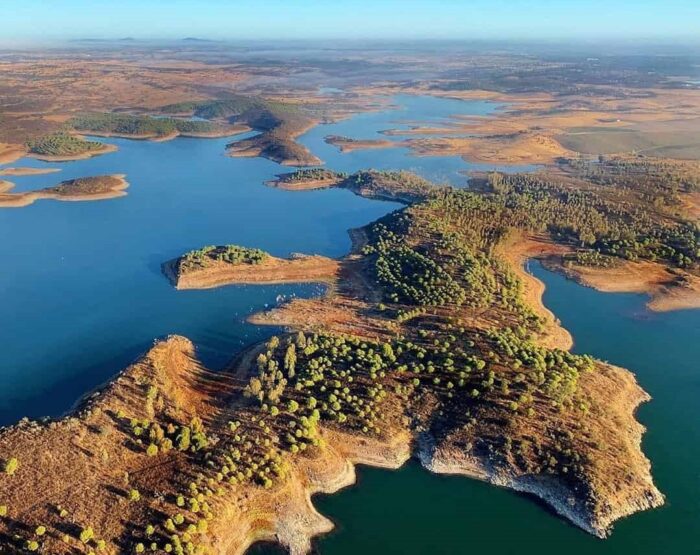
413,512
81,293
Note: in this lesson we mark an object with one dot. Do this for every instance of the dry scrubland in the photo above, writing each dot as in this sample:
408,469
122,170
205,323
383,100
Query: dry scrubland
539,128
112,86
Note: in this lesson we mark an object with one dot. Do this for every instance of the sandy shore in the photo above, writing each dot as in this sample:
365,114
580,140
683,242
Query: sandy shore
517,253
11,152
668,289
28,171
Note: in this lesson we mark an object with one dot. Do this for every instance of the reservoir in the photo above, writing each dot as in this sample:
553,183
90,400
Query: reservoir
82,295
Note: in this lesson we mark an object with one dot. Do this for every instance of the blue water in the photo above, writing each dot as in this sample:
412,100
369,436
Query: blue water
82,294
406,112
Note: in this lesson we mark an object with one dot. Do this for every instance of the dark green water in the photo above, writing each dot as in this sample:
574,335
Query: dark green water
413,512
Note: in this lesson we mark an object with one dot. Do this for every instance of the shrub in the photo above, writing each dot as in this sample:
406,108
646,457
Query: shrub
11,466
86,535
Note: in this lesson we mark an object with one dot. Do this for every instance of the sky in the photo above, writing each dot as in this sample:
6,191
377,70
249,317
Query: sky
40,21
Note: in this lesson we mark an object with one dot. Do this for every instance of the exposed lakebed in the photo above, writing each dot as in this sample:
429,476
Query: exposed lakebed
82,295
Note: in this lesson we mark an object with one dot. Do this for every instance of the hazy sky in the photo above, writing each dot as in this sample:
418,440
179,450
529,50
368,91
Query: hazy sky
43,20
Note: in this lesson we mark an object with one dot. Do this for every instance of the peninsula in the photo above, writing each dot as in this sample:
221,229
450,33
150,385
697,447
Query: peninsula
279,125
65,147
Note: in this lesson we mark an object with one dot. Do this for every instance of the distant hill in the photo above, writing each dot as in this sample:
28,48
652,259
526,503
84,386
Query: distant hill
125,39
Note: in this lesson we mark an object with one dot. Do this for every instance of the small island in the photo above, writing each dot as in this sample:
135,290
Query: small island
28,171
215,266
346,144
81,189
397,186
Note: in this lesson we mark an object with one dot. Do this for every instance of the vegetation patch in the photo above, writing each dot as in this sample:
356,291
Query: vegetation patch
230,254
279,123
128,124
62,144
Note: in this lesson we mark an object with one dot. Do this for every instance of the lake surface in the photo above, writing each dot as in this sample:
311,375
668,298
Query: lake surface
81,296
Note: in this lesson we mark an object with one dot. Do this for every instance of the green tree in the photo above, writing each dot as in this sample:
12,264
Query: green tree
86,534
11,466
183,439
290,360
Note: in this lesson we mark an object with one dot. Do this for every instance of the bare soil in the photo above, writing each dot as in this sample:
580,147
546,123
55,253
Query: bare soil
298,269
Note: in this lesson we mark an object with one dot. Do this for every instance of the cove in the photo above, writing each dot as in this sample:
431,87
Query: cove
413,512
81,292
